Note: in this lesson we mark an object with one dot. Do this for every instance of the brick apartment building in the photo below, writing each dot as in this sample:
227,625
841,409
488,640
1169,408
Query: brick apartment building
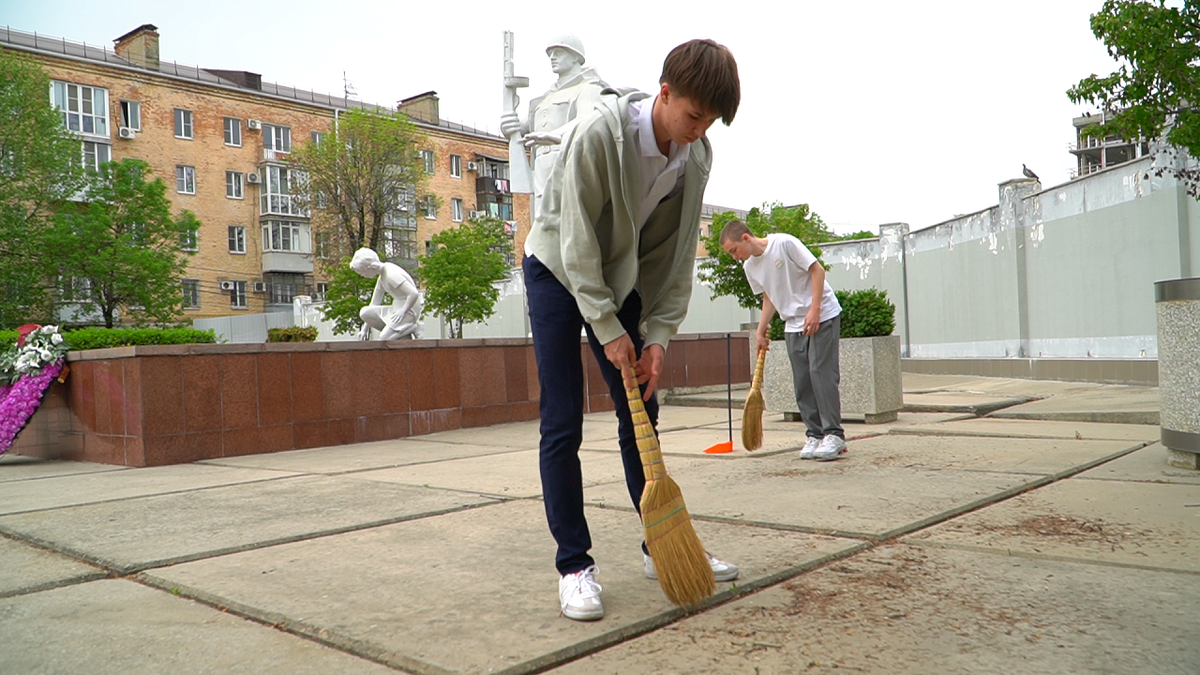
221,138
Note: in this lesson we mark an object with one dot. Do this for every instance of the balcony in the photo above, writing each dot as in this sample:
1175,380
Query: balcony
287,262
490,185
274,204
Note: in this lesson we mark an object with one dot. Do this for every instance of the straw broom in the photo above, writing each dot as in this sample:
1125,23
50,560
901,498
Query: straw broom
752,430
679,557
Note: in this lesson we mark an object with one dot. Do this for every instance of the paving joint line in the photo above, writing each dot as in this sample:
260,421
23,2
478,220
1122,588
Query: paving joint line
1033,555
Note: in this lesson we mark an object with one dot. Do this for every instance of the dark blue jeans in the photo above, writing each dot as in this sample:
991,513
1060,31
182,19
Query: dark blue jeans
555,320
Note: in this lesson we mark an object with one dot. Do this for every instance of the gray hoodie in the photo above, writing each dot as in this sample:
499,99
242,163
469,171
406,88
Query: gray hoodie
586,231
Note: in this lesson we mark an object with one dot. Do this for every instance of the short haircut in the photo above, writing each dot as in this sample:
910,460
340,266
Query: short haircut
363,255
705,72
734,230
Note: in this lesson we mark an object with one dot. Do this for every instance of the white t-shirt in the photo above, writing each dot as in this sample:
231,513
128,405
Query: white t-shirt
782,272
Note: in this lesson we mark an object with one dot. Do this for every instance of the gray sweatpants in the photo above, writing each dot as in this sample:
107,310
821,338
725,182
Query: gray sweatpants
816,376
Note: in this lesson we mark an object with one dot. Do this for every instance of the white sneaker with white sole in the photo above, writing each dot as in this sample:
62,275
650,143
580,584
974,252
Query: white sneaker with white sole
810,447
831,448
722,571
579,595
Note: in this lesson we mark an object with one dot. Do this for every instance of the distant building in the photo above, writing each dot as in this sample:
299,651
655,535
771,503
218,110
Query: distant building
220,138
707,211
1094,154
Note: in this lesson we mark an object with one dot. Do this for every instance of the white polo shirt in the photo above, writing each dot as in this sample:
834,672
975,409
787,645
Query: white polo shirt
660,175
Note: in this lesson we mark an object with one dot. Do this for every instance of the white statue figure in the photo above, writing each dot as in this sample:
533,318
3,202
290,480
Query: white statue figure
553,114
400,319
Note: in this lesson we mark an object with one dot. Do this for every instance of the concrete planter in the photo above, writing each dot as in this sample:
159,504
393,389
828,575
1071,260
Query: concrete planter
1177,303
871,379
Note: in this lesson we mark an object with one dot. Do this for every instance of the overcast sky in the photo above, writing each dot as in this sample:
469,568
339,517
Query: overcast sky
871,112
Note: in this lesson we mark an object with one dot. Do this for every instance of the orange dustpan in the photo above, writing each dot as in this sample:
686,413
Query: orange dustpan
726,446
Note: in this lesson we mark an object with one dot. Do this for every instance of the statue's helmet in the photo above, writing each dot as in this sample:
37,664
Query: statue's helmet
570,43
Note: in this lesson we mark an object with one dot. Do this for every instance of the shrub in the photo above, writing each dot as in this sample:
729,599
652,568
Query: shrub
866,313
105,338
293,334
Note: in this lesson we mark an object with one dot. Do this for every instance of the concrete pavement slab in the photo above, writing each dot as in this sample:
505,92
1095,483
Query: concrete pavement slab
1148,464
1113,403
362,456
59,491
1019,428
512,475
884,485
137,533
773,422
1147,525
958,401
469,592
18,467
898,609
26,569
917,383
118,627
518,435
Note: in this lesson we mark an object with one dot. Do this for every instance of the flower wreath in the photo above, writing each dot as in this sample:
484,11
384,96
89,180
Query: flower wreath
26,371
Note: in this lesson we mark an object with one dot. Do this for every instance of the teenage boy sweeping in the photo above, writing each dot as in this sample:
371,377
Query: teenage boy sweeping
611,251
792,281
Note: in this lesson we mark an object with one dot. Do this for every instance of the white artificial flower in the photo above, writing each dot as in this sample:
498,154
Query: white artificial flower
56,339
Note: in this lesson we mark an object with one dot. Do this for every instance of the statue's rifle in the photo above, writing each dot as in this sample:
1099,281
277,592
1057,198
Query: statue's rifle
520,178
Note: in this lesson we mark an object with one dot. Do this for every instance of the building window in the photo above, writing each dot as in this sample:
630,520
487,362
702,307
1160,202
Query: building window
191,293
427,160
322,245
237,239
281,190
322,289
277,138
234,184
400,243
456,166
430,207
131,115
317,137
189,241
237,296
284,236
233,131
456,214
185,179
95,154
282,287
183,123
74,288
84,109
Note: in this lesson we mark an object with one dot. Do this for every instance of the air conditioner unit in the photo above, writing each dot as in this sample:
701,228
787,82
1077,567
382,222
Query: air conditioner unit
253,124
228,285
472,166
478,214
260,287
126,133
253,178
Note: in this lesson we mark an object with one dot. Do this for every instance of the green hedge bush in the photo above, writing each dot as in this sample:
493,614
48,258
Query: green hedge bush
866,313
293,334
104,338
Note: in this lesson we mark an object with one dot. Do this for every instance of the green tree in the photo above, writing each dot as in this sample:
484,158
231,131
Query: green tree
460,273
724,274
363,177
121,250
39,169
348,292
1154,91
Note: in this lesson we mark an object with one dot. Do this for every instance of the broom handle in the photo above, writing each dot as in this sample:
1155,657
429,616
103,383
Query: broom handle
647,441
758,370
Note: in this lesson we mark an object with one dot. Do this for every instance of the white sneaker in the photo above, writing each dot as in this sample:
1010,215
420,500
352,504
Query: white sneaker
810,447
722,571
580,595
831,448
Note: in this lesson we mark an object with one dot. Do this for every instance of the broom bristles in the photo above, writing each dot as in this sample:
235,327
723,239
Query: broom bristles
752,414
752,431
680,559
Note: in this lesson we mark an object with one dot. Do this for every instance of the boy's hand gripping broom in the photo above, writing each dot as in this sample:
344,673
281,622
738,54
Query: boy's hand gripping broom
679,557
752,431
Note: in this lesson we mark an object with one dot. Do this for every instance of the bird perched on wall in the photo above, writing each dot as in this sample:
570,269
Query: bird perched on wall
1029,174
